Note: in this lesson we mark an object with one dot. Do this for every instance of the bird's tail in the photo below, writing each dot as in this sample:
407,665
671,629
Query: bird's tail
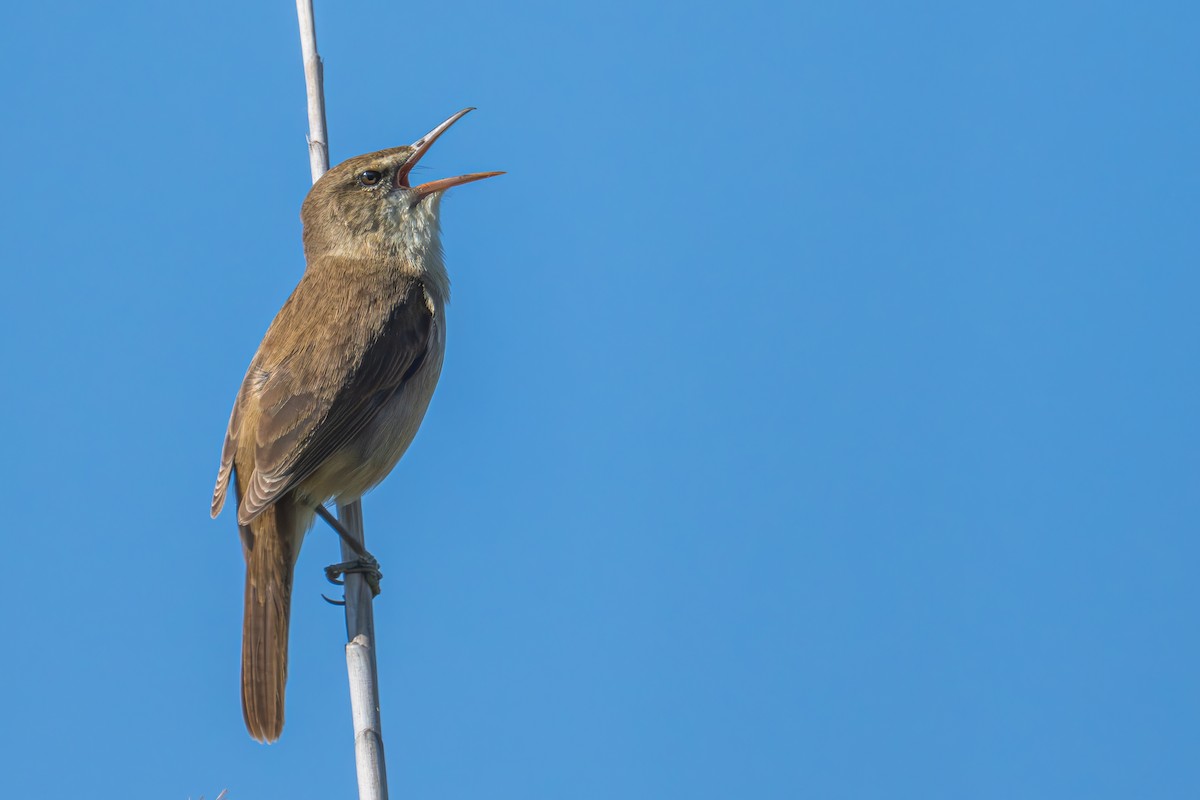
270,543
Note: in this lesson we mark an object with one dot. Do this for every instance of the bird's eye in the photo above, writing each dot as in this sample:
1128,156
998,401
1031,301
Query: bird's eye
369,177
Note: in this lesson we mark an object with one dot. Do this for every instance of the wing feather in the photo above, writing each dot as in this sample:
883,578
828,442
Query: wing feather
229,448
301,426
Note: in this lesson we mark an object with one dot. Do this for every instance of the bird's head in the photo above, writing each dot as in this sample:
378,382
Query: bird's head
366,206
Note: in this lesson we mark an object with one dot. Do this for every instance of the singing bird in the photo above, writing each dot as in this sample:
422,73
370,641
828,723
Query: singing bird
338,387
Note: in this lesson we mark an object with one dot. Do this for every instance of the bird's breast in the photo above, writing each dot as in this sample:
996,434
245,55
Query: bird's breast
368,458
391,432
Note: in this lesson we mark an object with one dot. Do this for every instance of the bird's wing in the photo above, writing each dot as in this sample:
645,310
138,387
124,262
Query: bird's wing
300,426
230,447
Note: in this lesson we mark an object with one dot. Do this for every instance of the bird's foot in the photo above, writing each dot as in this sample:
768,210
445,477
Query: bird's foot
365,565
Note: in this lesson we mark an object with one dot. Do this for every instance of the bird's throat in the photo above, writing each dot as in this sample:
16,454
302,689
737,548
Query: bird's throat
415,236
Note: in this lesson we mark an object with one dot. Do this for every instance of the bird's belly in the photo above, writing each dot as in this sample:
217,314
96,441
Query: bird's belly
369,457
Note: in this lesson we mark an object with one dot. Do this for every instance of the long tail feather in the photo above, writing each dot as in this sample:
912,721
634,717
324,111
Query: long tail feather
271,542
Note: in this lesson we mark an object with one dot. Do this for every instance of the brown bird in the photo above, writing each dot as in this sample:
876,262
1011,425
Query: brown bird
338,387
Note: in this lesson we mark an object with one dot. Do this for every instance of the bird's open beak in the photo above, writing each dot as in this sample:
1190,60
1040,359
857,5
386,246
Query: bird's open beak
421,147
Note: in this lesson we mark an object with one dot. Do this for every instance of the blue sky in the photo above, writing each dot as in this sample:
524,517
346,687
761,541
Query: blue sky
818,418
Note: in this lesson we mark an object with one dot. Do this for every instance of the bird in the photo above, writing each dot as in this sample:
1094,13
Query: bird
338,387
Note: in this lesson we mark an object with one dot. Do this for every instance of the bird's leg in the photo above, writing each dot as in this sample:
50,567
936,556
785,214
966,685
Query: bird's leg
364,563
341,531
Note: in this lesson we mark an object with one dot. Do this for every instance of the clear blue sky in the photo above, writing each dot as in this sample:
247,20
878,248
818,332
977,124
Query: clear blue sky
818,420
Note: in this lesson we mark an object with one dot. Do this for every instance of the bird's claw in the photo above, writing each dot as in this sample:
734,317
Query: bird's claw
365,565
